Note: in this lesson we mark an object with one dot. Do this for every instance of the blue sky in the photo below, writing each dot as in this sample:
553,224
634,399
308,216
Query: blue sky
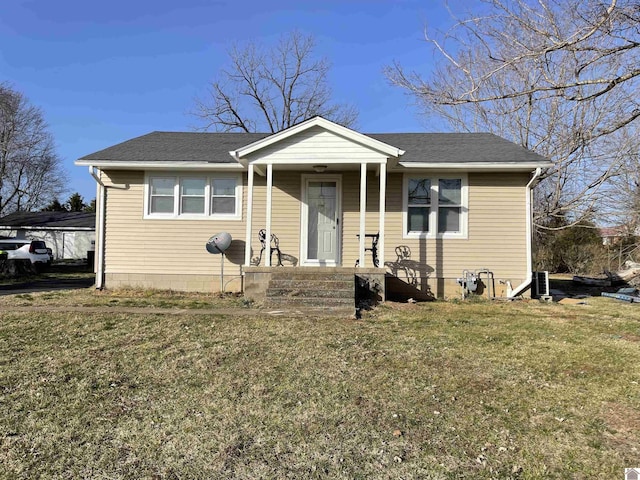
104,72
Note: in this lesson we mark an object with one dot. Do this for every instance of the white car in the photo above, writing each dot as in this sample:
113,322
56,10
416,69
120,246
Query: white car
34,250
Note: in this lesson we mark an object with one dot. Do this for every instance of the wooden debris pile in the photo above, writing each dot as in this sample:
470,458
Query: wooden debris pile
629,274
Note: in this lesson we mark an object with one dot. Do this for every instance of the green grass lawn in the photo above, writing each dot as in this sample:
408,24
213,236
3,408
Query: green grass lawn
438,390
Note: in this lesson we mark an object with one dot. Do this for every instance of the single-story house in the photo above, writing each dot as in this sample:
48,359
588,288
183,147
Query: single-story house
70,235
432,204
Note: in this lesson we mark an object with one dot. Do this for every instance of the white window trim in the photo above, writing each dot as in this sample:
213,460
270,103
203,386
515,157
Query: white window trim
148,192
204,196
176,215
433,214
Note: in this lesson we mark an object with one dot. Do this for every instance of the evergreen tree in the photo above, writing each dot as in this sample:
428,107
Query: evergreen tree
75,203
55,206
91,207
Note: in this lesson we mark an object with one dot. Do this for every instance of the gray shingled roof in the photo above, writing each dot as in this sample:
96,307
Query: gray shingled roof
457,148
178,147
215,147
49,220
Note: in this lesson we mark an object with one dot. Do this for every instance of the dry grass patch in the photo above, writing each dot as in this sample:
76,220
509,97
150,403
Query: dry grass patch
124,297
434,391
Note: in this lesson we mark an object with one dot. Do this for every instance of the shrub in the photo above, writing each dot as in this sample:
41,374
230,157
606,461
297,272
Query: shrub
17,268
576,249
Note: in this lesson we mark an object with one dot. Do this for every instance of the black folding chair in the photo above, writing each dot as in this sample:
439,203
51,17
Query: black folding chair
273,247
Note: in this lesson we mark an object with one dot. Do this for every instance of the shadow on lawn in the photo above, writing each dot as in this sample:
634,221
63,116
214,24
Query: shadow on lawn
60,276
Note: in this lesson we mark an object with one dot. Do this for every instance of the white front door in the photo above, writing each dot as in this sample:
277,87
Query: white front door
321,225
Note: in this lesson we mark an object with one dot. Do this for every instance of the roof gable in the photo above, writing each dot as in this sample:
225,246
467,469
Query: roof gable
316,123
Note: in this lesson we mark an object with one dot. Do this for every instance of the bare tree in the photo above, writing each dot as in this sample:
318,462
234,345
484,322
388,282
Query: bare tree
31,174
559,77
270,90
621,203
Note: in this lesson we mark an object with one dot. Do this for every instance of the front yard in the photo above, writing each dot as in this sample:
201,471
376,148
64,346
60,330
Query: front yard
438,390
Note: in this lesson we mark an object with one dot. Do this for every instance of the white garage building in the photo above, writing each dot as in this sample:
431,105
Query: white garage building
69,234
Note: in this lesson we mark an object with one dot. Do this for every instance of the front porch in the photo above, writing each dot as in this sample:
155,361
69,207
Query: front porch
311,184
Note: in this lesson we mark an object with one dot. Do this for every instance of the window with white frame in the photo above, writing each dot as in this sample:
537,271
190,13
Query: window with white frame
449,205
162,194
193,196
418,204
435,206
223,196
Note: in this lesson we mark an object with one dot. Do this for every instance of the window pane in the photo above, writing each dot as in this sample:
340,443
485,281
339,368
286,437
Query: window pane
162,186
314,189
449,191
418,219
449,219
161,204
193,186
193,205
328,189
223,186
223,205
419,191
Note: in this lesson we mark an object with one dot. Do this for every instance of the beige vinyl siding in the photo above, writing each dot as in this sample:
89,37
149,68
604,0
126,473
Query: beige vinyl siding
315,145
496,236
171,246
285,209
136,246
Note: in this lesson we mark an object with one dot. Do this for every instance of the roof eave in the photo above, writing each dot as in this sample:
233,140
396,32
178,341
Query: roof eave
242,161
158,165
486,166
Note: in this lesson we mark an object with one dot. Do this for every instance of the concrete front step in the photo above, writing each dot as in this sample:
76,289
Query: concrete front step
294,291
310,289
312,284
287,274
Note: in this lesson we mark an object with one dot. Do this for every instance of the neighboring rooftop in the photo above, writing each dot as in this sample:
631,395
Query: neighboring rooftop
49,220
215,148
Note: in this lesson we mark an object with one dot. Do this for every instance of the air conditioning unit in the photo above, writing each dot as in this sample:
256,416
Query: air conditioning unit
540,285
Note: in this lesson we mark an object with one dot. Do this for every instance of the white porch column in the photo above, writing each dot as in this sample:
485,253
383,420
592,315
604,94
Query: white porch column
247,247
267,250
383,195
363,211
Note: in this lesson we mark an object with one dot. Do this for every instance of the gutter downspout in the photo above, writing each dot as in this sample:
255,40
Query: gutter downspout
102,196
524,285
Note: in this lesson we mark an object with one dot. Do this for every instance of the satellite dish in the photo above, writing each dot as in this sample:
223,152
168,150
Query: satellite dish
219,243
